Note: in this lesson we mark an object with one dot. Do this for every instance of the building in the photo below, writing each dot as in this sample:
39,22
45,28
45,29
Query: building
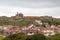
19,15
31,17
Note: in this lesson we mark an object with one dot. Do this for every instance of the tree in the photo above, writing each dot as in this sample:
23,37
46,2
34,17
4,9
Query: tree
15,37
36,37
21,36
54,37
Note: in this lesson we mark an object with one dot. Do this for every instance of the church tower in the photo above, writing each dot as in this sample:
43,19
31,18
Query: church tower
19,15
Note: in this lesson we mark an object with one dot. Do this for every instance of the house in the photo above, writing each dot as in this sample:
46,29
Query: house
36,23
9,30
30,30
1,27
57,29
48,31
39,22
53,26
46,24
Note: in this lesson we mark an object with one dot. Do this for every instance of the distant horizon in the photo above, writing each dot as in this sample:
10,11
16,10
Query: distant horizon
29,15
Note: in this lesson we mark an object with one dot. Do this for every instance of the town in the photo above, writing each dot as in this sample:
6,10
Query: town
34,27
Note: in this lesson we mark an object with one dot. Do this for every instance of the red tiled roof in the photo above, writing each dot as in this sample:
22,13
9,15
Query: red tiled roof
48,28
31,16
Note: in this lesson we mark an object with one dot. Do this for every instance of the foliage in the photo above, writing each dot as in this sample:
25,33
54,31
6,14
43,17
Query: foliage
39,37
26,21
54,37
21,36
15,37
25,37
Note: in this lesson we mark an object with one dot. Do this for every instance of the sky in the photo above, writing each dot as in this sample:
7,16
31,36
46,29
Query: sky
30,7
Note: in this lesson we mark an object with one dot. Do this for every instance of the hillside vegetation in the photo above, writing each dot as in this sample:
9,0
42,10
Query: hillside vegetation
26,21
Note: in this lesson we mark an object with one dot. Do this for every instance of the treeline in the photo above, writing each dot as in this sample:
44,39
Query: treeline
32,37
25,37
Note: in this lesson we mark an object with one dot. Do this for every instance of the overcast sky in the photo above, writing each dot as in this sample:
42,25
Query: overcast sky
30,7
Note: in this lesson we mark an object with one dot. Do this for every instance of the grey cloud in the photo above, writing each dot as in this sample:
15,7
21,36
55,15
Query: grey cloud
31,3
52,7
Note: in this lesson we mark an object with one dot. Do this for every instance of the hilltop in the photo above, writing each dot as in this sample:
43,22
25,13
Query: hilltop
20,20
